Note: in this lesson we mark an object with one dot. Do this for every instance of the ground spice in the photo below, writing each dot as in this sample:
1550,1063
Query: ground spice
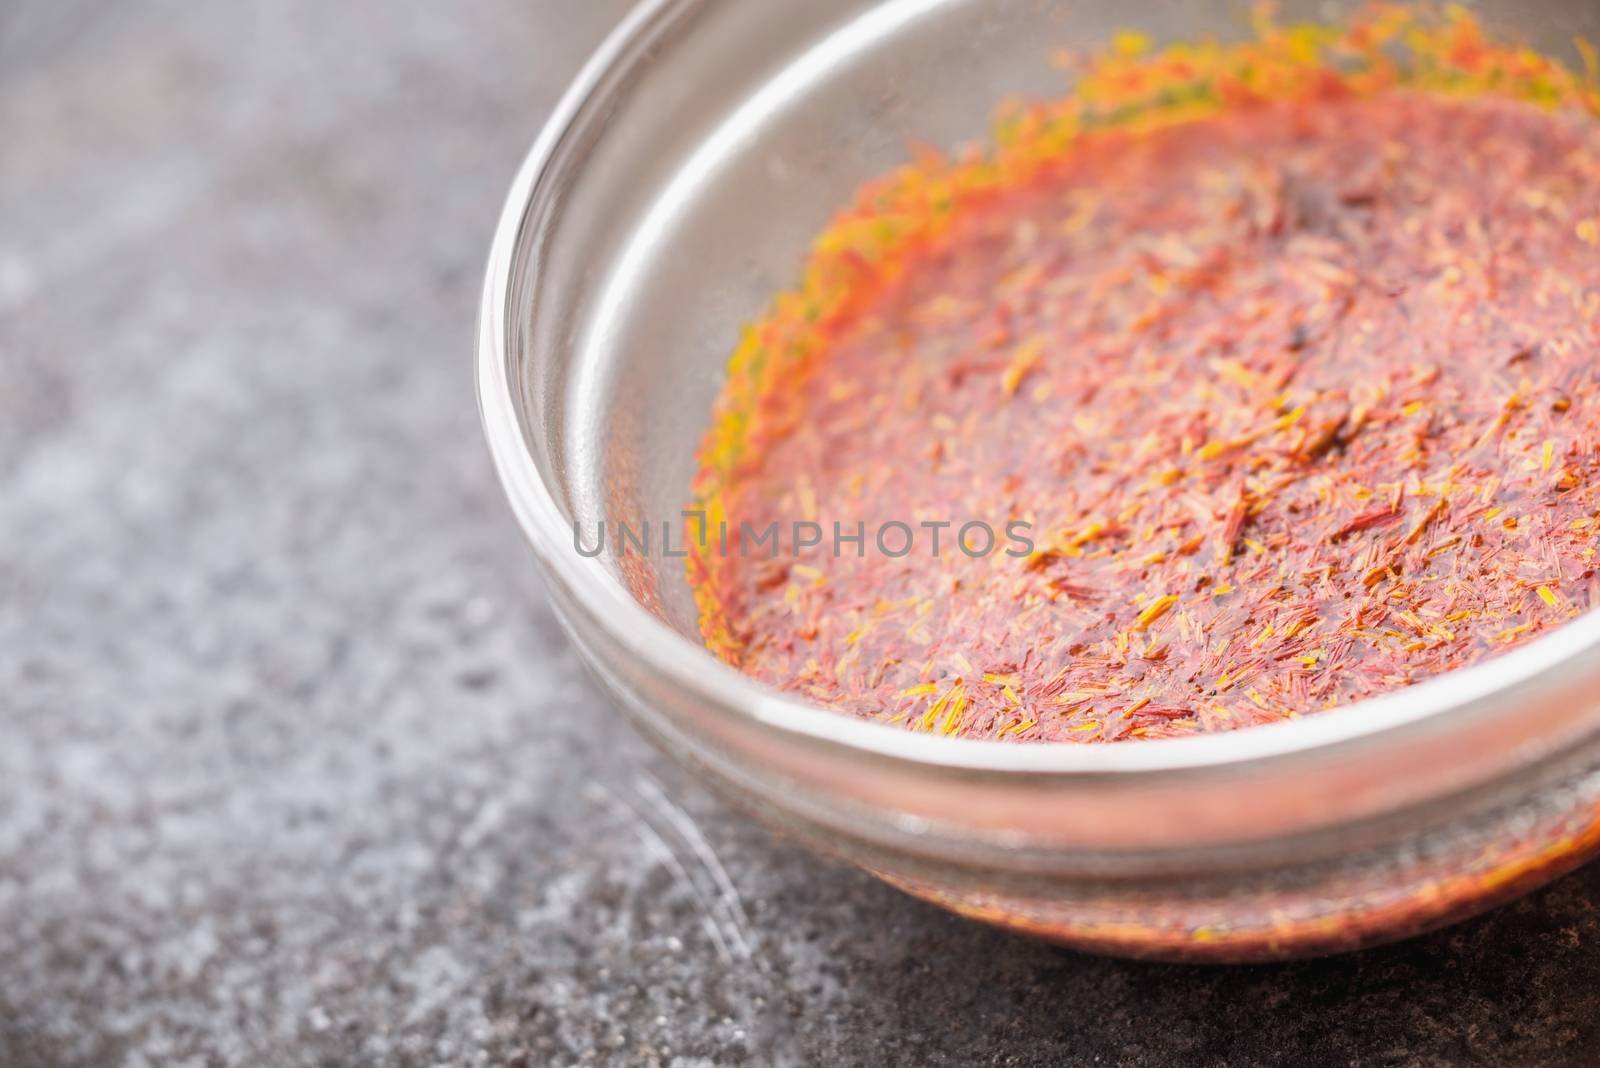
1285,352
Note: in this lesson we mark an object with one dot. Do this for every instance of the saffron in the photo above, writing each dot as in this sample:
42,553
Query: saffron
1287,353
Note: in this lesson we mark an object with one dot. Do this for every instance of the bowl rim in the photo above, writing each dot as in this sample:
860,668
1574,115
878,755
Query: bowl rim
1427,709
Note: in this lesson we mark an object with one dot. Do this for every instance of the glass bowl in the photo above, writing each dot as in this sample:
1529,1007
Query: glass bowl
675,189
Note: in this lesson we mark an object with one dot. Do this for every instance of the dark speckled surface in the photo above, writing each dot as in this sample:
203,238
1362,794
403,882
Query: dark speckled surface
295,766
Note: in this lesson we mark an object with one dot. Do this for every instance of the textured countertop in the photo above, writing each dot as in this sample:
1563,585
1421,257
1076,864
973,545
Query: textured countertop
296,767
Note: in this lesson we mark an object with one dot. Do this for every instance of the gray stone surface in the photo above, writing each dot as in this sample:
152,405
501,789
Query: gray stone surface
295,766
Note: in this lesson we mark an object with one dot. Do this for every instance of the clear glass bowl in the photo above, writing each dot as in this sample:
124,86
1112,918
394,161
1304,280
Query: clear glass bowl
676,188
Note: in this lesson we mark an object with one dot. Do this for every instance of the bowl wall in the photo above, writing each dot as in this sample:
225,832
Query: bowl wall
678,188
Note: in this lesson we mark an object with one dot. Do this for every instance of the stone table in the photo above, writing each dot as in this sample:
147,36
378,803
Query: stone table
296,767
